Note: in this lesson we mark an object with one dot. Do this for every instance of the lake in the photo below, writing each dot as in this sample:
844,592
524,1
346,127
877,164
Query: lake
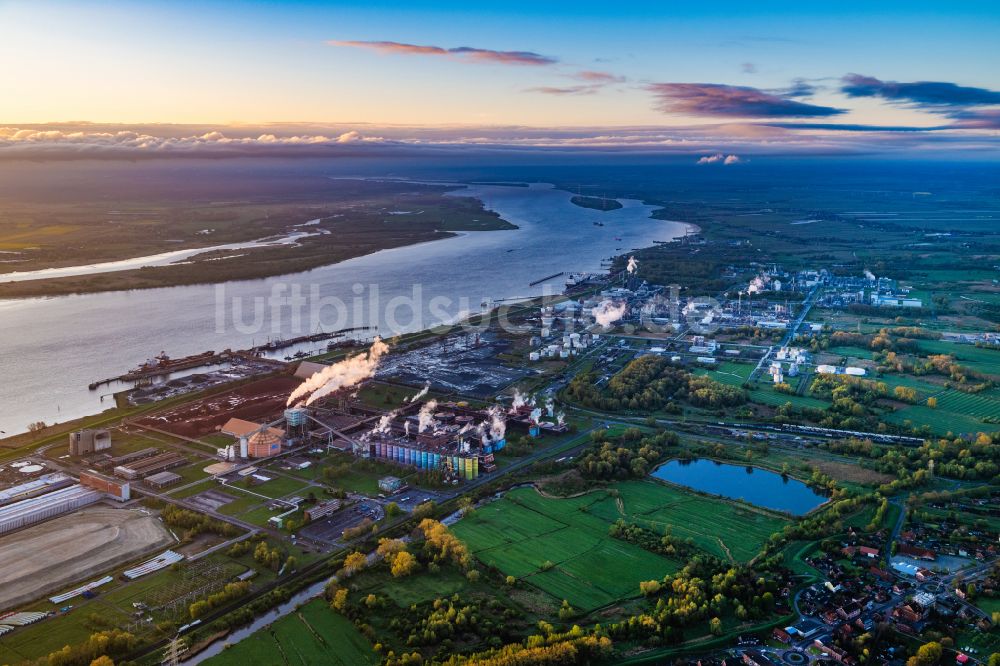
52,348
756,486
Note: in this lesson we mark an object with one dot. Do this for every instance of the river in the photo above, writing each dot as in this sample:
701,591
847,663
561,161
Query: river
52,348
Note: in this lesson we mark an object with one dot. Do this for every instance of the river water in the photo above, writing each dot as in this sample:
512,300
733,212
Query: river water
52,348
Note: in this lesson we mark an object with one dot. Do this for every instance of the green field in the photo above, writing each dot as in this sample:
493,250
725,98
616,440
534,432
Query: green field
720,528
519,534
728,372
970,356
956,411
311,635
856,352
765,394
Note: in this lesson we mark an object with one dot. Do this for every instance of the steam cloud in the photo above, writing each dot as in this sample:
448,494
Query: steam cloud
608,312
425,419
519,399
348,372
498,425
633,265
421,393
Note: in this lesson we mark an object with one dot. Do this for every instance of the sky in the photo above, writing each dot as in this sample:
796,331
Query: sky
753,77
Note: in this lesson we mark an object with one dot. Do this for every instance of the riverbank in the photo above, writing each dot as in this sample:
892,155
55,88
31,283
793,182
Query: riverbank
333,237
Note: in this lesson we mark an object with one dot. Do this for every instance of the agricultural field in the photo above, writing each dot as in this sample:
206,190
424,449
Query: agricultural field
562,547
718,527
956,412
557,546
313,634
977,358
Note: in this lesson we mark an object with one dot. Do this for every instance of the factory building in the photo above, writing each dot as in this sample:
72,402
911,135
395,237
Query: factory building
147,466
109,485
83,442
257,440
405,451
34,510
449,441
390,484
162,479
321,510
45,483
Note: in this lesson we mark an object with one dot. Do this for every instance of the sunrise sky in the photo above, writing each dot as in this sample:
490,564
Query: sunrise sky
708,74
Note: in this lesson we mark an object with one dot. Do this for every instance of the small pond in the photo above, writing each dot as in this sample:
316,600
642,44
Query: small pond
751,484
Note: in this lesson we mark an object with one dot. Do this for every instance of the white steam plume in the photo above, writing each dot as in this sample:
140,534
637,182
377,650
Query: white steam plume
869,274
346,373
498,425
633,265
536,415
550,407
519,399
421,393
426,416
561,418
608,312
383,423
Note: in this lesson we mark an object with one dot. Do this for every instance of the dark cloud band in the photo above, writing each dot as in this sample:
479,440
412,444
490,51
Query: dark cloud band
725,101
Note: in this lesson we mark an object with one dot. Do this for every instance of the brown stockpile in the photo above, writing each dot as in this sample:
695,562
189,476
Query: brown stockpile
260,401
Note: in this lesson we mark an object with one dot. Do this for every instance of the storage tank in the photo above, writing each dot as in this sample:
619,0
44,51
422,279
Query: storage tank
475,468
244,447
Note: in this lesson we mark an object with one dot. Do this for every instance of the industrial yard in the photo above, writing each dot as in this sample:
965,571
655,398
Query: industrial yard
49,556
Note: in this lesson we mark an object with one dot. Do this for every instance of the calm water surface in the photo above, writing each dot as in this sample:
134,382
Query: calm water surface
52,348
750,484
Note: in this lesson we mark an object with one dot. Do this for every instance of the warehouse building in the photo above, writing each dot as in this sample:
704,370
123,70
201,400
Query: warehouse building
162,479
46,483
148,466
110,486
321,510
35,510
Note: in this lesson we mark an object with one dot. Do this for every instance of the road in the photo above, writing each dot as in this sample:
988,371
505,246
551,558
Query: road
789,335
